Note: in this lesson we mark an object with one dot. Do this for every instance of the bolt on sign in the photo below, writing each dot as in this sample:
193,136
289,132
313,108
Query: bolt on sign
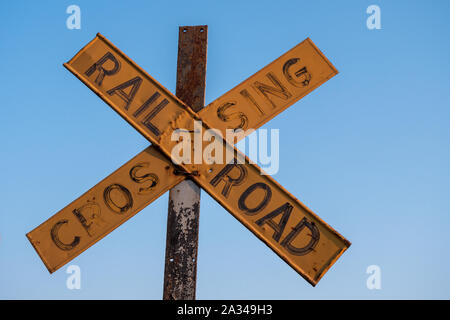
282,222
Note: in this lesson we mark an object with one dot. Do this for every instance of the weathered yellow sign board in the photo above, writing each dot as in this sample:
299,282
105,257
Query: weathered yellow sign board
296,234
103,208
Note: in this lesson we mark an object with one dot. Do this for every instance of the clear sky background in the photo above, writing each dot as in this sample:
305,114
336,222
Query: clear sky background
368,151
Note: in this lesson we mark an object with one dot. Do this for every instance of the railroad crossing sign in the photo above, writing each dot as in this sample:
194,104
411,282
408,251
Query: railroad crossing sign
282,222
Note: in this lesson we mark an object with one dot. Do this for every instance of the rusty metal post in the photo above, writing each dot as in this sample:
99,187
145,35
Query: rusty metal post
180,272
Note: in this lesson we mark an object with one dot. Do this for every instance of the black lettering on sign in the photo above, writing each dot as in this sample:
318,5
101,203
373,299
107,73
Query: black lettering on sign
146,122
110,203
279,90
286,210
224,175
232,115
247,95
261,205
59,243
119,90
93,210
304,77
315,236
146,104
102,72
151,177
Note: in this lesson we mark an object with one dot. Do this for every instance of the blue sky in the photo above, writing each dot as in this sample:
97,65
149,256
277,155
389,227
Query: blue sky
368,151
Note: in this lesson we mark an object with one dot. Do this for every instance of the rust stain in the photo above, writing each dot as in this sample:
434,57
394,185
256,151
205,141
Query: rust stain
191,67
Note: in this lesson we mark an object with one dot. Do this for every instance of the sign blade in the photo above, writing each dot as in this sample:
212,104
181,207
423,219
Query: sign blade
103,208
271,90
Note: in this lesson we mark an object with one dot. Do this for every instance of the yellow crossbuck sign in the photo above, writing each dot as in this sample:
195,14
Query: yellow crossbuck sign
282,222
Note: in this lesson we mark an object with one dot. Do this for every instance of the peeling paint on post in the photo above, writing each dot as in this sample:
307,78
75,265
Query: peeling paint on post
180,272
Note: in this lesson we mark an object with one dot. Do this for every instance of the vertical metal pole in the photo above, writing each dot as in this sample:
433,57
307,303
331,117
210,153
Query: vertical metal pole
180,272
